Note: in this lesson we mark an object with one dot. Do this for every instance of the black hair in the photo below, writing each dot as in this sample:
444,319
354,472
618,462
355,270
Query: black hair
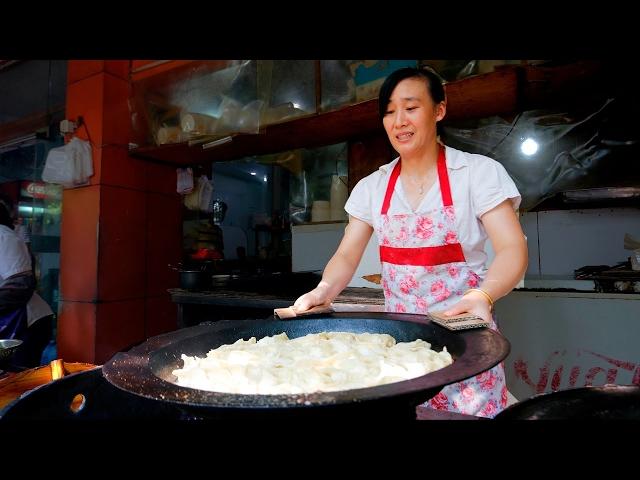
435,86
5,216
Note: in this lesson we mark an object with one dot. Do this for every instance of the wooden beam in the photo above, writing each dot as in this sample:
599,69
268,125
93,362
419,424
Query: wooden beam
493,93
27,125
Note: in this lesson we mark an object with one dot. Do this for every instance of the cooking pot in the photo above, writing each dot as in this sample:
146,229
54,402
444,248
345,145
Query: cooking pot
605,402
146,369
193,279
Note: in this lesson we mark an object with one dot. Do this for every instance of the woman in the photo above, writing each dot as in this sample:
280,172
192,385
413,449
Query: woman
432,209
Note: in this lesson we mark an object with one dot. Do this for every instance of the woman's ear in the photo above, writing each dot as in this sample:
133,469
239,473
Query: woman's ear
441,110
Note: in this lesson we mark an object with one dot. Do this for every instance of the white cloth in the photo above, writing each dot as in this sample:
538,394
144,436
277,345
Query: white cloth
14,255
37,308
478,184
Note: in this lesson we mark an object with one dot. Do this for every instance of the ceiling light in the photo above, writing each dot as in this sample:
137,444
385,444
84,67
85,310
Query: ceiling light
529,147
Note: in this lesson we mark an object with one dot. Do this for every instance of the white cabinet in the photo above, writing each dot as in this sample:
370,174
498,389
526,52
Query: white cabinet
369,265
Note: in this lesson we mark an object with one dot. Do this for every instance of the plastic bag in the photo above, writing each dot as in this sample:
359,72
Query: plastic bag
80,153
206,191
185,180
58,168
200,197
192,199
70,165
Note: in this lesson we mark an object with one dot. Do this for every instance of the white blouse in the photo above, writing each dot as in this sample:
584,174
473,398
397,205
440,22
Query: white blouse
14,259
14,255
478,184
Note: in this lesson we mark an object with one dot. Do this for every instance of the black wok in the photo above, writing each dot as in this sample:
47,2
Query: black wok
146,369
608,402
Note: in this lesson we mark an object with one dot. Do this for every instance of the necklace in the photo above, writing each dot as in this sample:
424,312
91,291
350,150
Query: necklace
419,184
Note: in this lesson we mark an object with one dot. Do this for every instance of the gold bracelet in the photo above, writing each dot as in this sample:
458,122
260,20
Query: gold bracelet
487,296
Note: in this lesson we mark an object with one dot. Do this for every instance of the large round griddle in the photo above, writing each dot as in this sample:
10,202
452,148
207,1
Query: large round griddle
146,369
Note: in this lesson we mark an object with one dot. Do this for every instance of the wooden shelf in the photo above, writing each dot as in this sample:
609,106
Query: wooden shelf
505,91
560,202
489,94
311,131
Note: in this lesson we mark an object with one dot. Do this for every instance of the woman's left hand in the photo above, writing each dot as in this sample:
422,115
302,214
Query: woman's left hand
474,303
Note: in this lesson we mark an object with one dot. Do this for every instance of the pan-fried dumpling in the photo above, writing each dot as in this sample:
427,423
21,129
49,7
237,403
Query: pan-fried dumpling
320,362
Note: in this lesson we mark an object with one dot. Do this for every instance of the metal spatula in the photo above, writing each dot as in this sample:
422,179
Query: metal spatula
463,321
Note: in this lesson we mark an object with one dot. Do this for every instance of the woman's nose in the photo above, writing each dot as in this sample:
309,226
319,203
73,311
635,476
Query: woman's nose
400,119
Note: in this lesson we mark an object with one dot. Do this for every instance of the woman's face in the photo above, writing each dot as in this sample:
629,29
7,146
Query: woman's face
411,116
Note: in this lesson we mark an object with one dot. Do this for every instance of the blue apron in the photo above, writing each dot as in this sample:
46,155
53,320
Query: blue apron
14,324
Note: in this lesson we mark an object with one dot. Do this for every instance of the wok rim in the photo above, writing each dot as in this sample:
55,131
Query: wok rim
131,371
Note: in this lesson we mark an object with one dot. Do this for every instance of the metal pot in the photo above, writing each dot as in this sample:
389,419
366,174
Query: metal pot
194,279
99,401
605,402
145,370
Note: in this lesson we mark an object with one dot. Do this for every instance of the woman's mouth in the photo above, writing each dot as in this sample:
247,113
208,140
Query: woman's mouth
404,136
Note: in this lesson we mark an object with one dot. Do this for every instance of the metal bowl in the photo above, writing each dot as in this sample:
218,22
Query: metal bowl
8,347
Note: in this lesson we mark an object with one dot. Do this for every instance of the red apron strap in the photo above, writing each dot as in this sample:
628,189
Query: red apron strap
390,187
422,256
443,177
445,188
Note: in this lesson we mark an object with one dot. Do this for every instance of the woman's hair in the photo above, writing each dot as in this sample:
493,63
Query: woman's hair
434,85
5,216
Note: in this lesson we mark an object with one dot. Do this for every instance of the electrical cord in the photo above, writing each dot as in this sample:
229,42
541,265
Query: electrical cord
513,125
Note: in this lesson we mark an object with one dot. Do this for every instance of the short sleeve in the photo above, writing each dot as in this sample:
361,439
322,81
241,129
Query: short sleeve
15,256
492,187
359,202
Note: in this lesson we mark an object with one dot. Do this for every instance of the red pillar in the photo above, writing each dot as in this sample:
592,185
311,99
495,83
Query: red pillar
118,233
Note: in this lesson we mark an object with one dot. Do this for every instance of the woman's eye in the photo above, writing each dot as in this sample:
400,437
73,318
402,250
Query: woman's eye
411,108
388,112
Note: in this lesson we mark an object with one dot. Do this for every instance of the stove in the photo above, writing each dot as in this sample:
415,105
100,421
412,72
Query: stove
607,279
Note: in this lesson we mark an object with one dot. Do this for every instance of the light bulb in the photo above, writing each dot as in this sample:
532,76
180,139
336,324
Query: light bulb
529,146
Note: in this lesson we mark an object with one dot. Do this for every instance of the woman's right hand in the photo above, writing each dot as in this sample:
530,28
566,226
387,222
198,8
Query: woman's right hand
317,296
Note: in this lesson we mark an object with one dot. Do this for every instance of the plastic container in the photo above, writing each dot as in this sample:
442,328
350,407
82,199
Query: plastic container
338,197
321,211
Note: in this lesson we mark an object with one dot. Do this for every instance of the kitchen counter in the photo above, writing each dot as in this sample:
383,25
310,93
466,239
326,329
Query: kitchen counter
226,297
557,282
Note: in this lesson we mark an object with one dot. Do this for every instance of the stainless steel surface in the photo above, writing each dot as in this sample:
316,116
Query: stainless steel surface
594,194
8,347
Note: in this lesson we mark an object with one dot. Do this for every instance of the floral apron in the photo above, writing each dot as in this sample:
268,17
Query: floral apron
423,268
